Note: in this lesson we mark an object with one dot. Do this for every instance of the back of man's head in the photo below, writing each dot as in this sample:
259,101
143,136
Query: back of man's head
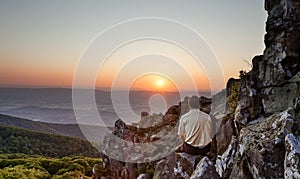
194,102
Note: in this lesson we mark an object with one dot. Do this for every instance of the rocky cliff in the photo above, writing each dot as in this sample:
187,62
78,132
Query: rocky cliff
266,118
272,86
257,117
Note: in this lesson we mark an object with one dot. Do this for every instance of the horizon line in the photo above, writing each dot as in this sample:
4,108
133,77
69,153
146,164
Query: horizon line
102,89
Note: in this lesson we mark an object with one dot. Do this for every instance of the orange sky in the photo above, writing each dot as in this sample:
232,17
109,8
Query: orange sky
160,83
40,48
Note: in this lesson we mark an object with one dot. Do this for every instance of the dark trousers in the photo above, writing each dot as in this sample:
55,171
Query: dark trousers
187,148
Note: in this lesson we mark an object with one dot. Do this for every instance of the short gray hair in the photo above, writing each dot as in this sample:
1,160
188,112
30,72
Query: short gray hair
194,102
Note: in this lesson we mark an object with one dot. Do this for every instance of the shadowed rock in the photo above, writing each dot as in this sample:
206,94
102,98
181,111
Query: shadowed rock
205,170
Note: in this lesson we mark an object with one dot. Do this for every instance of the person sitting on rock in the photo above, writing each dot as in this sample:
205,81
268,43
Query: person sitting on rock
195,130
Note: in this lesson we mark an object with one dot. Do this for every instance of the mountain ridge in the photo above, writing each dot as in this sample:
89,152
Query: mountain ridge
18,140
72,130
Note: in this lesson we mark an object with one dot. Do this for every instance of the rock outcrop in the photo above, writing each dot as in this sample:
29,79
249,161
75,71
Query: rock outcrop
257,118
218,107
259,133
266,115
292,157
146,142
261,149
205,170
185,164
268,87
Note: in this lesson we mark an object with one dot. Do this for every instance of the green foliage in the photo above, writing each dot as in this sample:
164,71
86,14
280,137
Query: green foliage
69,175
72,167
19,172
42,167
16,140
13,156
26,154
52,165
234,95
150,172
99,169
146,169
60,129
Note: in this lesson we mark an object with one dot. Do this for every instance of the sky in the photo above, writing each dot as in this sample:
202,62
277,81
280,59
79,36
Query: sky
42,42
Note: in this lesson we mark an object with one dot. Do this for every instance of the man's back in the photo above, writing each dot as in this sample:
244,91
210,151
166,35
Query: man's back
196,126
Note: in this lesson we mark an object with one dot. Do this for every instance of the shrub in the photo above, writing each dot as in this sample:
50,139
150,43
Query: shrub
233,98
69,175
19,171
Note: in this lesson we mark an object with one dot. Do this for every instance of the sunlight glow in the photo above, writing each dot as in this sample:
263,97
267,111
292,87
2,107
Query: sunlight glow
160,83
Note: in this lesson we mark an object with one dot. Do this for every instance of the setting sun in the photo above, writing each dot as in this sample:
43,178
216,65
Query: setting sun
153,83
160,83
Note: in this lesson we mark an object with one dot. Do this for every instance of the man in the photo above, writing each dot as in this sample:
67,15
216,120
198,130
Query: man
195,130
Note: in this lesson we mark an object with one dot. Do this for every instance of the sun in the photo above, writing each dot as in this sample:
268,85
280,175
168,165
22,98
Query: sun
160,83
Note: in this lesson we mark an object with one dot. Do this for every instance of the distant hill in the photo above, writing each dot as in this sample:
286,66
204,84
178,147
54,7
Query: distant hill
17,140
60,129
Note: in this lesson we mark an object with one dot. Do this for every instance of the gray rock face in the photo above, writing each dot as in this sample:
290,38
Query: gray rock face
224,136
164,168
222,114
218,107
261,149
264,115
185,164
271,73
225,162
149,120
277,98
281,56
205,170
292,157
160,169
267,113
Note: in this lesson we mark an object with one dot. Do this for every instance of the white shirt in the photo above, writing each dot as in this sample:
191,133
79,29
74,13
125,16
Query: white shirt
196,126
